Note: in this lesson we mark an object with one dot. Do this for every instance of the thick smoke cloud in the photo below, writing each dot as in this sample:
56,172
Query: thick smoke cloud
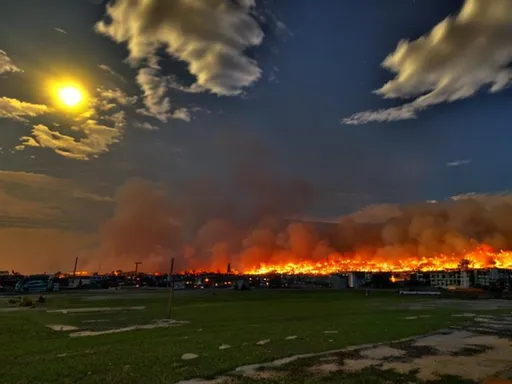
144,227
149,227
205,223
243,220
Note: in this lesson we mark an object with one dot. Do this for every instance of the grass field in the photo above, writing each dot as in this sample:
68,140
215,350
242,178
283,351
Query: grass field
33,353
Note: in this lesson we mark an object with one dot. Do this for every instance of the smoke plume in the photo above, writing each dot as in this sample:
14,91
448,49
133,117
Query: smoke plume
206,224
148,227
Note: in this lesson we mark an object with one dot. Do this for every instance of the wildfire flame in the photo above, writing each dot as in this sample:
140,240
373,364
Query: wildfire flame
483,257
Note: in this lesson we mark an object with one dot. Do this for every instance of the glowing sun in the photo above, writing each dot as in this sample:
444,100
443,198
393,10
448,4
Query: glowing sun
70,96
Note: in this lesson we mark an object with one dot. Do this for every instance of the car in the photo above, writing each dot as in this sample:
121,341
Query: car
32,286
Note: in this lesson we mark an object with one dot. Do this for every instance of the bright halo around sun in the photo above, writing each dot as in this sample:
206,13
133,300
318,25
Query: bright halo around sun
70,96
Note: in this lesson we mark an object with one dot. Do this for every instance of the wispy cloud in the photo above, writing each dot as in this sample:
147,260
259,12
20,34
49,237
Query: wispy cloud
272,76
19,110
457,163
99,138
45,216
490,199
108,99
60,30
34,196
109,70
6,64
154,94
460,56
146,125
100,126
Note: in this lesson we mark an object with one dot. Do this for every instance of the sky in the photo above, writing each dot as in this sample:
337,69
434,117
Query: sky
345,104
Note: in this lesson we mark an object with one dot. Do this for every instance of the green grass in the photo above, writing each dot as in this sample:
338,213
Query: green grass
30,351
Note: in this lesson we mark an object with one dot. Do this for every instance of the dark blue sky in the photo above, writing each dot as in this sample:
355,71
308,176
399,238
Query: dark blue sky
320,61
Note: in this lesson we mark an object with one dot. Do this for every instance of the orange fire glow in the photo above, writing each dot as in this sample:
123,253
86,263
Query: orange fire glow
483,257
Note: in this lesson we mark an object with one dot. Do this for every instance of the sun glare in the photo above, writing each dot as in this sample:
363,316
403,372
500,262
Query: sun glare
70,96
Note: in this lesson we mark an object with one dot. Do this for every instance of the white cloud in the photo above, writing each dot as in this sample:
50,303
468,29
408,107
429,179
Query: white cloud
60,30
98,138
272,76
460,56
6,64
157,103
182,114
109,70
146,125
108,99
210,36
403,112
457,163
490,199
18,110
98,127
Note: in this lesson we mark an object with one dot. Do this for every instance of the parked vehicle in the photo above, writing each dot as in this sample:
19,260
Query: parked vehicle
31,286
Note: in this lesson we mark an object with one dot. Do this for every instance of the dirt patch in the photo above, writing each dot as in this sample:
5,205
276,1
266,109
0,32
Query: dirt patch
218,380
325,368
61,327
456,353
414,350
97,309
457,340
189,356
359,364
267,374
475,367
471,350
328,358
155,324
382,352
460,353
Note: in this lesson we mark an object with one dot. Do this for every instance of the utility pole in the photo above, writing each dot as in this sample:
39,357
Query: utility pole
137,267
170,282
76,265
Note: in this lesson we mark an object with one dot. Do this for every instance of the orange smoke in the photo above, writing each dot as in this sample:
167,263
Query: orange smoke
149,226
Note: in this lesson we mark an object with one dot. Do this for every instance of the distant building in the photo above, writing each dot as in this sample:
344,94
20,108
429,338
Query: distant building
339,281
501,278
446,279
